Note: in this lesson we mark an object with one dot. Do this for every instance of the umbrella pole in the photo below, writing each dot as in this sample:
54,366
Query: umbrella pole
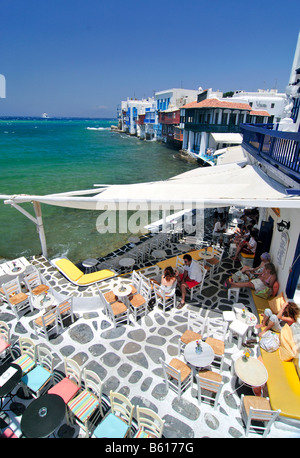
40,227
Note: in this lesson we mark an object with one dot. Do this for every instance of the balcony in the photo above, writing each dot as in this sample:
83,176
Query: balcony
215,128
280,149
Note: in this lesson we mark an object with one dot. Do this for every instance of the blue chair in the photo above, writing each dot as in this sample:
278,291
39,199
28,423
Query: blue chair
117,423
40,378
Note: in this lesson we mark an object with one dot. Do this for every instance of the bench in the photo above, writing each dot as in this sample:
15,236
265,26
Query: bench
76,276
283,381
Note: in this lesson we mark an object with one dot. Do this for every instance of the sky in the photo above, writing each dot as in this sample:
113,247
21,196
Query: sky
80,58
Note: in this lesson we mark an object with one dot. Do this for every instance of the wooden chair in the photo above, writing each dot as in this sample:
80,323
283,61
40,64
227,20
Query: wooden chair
27,360
88,403
46,324
139,302
18,301
196,325
177,375
65,310
209,382
216,336
215,262
150,425
39,379
116,311
118,422
257,414
163,299
135,282
5,343
35,284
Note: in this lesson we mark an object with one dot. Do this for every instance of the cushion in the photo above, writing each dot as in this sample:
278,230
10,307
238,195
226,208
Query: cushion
25,362
36,378
83,405
3,345
70,270
66,389
18,298
111,427
95,276
143,435
8,434
287,349
275,288
276,303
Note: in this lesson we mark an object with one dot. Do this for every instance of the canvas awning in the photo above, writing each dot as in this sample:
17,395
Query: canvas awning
227,137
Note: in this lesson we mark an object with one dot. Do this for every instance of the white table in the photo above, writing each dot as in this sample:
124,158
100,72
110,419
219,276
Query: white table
127,262
159,253
121,290
205,254
251,372
202,359
39,303
90,264
183,247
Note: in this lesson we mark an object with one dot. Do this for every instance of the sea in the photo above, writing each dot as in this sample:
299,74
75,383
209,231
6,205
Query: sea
43,156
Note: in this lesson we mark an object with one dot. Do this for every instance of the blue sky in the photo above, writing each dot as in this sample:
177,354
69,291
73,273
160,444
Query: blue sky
82,57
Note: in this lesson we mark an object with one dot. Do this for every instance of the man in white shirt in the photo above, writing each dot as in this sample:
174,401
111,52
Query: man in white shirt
191,276
219,229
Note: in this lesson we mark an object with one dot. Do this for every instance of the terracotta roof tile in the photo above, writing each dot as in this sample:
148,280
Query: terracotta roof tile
259,113
216,103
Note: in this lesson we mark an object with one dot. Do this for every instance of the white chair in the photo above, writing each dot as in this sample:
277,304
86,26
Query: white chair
215,262
257,409
150,425
163,299
233,292
40,378
117,423
135,282
239,329
139,302
27,360
177,375
196,325
46,324
65,310
35,284
18,301
86,407
116,311
198,287
209,382
5,342
216,336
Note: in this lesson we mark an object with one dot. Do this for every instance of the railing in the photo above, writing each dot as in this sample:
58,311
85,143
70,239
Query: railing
281,149
216,128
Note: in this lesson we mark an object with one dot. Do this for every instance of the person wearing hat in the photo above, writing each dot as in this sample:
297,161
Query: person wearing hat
247,272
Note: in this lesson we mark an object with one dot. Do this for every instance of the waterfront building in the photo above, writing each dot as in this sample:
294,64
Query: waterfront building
263,100
129,112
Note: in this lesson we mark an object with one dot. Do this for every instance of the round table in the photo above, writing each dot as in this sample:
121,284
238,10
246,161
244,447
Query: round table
43,416
10,375
205,254
202,359
90,264
126,262
16,270
183,247
121,290
251,372
40,303
159,253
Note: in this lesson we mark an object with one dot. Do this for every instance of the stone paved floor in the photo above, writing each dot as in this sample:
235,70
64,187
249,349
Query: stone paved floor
127,360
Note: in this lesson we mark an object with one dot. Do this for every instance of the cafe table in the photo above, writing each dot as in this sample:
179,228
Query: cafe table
251,371
42,301
206,254
202,359
43,416
10,376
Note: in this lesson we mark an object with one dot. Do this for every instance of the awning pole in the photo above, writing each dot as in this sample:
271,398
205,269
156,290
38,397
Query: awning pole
40,227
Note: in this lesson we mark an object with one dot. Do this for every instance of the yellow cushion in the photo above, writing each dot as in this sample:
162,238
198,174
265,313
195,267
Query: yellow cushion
246,255
287,349
95,276
276,303
69,269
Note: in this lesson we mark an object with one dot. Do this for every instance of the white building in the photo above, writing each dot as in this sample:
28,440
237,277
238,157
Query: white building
263,100
130,110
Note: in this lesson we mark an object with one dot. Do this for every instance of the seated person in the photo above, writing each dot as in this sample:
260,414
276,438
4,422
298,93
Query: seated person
168,280
247,247
266,278
288,314
247,272
192,276
219,229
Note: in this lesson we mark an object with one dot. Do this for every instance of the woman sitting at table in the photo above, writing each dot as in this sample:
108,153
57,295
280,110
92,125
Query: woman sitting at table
168,280
247,247
247,273
287,314
265,280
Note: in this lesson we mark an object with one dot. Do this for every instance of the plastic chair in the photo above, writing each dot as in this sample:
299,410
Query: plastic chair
35,284
177,375
196,325
5,343
163,299
257,409
44,325
150,425
69,386
117,423
139,302
216,336
212,382
18,301
88,402
65,310
38,379
27,360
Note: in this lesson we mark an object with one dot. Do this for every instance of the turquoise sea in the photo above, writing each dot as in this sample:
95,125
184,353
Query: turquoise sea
42,156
